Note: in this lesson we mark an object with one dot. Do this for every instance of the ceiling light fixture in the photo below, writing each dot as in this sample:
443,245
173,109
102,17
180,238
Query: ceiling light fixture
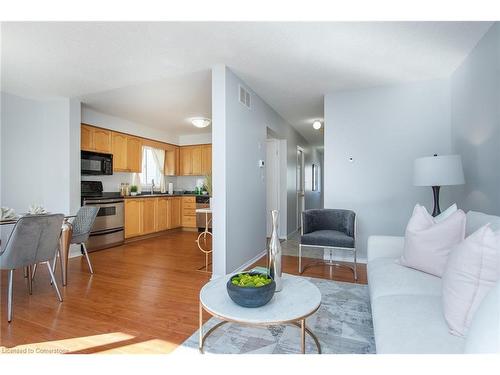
200,122
317,124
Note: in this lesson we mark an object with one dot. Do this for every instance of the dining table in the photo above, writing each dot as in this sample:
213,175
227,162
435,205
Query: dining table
64,244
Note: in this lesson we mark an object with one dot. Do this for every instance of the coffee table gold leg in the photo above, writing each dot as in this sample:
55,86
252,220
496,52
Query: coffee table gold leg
200,343
303,335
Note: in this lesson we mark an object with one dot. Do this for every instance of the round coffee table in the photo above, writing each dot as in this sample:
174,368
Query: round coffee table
298,300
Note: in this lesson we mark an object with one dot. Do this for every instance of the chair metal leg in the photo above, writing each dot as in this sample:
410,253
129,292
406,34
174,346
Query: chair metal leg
9,296
87,257
355,267
54,281
300,258
30,279
34,270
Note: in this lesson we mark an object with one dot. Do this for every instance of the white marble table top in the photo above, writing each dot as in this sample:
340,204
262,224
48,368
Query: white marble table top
203,210
298,298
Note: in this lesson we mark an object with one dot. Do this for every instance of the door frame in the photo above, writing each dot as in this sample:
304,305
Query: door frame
300,186
273,169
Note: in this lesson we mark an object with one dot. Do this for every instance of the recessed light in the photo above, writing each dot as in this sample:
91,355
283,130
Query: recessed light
317,124
200,122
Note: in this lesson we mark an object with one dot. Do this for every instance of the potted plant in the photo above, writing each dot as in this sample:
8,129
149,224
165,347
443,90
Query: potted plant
133,190
208,186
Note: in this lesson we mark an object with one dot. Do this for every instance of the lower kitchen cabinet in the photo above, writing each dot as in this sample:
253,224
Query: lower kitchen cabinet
149,215
149,206
163,214
176,212
133,217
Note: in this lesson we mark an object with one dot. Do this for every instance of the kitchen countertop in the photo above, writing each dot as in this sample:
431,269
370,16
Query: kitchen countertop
155,195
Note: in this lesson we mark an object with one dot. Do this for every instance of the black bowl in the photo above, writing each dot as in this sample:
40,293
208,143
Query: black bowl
251,296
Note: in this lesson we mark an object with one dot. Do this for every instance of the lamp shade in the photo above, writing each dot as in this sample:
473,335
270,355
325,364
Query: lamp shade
438,171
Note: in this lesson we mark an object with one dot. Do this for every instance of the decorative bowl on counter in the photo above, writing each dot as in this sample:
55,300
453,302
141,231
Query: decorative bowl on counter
251,289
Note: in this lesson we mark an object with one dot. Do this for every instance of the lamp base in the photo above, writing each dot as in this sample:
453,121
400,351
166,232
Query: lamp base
435,193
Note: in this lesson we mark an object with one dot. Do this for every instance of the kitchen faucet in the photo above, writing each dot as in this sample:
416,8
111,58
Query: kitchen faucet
152,186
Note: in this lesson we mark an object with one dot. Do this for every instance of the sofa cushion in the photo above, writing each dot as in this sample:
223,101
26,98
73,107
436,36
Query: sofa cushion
327,238
412,324
476,220
386,278
484,332
472,271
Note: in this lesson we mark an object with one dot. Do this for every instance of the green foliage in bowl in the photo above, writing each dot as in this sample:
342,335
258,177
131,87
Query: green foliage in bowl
251,280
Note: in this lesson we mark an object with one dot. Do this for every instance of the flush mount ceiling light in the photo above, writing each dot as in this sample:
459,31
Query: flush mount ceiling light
317,124
200,122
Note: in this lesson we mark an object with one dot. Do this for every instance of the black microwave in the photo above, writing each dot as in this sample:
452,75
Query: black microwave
95,163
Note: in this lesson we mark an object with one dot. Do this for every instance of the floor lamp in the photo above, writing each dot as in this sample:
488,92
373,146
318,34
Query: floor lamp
437,171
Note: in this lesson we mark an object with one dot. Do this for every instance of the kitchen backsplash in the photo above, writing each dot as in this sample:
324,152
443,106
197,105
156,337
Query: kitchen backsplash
112,183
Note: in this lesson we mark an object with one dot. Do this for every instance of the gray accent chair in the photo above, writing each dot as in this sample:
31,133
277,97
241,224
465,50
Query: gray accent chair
34,239
82,225
331,229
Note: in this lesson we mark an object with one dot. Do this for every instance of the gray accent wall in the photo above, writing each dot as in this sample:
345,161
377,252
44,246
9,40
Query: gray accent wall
238,142
475,119
384,130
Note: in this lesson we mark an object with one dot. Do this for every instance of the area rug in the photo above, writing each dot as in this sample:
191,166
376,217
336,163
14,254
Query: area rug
343,325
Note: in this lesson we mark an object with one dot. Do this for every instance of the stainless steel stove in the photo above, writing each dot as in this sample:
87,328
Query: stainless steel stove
108,229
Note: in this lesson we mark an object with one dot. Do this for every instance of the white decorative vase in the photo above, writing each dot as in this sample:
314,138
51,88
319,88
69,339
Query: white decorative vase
274,253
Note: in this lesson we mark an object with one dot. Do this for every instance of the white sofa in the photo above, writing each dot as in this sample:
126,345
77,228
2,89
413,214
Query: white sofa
407,308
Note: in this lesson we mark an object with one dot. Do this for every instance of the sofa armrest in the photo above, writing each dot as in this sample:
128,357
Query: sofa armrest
385,247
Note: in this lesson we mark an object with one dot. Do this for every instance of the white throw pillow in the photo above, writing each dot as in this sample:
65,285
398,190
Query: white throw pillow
428,243
446,213
472,271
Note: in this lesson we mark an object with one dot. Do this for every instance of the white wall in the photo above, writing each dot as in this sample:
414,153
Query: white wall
383,129
195,139
475,118
38,154
239,142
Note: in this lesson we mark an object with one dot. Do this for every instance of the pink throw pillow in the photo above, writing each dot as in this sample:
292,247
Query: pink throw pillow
472,271
428,243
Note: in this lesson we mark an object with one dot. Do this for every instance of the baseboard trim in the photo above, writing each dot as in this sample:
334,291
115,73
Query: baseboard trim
244,266
290,235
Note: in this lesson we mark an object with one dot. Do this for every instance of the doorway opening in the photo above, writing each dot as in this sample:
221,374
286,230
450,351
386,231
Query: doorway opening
276,189
300,186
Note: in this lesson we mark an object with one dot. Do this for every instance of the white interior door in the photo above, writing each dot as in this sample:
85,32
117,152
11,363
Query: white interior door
272,181
300,185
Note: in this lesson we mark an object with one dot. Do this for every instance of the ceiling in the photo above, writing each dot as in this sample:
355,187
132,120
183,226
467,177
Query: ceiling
158,73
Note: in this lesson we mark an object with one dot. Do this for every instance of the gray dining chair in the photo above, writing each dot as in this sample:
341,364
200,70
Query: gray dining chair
82,225
331,229
34,239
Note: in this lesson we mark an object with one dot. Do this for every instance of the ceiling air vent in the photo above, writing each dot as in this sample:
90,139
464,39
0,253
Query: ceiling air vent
244,97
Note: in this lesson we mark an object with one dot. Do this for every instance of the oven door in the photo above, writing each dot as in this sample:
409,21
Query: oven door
110,215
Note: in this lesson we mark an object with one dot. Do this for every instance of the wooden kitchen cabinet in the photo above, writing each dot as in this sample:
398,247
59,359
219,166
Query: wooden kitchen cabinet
133,217
134,154
86,138
188,212
163,214
172,162
195,160
206,159
95,139
119,150
175,212
149,206
186,163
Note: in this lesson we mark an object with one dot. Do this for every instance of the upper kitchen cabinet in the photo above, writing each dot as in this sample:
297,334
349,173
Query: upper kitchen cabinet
95,139
172,161
127,153
206,159
195,160
134,154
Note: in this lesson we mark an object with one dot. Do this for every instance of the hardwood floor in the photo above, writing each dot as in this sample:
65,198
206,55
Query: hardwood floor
143,298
